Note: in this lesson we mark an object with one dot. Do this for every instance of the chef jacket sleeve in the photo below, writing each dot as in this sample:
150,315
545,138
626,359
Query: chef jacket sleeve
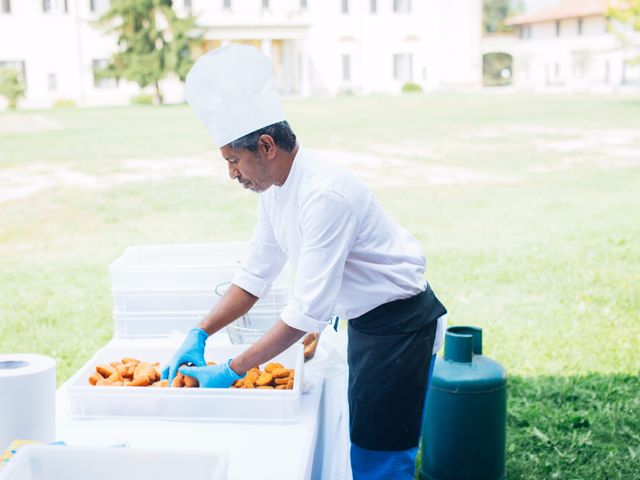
328,226
264,261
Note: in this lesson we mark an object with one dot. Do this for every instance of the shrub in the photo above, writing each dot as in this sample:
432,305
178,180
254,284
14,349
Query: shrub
411,87
11,87
142,99
64,103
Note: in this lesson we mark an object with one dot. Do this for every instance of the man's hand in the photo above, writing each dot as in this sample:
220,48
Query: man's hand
190,352
214,376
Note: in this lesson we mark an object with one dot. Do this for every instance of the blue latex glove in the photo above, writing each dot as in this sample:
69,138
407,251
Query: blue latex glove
191,351
213,376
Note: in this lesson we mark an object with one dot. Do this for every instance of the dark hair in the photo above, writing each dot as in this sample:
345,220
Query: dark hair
281,133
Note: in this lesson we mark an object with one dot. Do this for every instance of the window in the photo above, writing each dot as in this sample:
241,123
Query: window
52,82
303,3
403,67
226,3
55,6
402,6
557,28
265,3
5,7
346,68
187,4
525,32
374,6
99,6
345,6
100,78
17,66
579,26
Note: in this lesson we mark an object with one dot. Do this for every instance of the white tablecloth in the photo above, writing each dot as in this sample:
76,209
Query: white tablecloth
313,447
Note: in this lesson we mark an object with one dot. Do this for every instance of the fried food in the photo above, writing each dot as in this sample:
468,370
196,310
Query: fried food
105,370
252,376
139,382
178,381
310,344
144,370
103,382
272,366
274,376
264,379
95,377
280,373
131,372
116,377
126,371
190,382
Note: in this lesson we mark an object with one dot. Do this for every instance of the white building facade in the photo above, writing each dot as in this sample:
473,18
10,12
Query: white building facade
318,47
567,46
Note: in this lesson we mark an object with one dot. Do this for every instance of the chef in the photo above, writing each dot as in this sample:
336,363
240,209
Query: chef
350,259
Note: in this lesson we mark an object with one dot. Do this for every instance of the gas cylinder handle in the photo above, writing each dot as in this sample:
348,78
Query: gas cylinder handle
461,343
476,334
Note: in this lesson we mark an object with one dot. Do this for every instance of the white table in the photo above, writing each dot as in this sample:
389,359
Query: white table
303,450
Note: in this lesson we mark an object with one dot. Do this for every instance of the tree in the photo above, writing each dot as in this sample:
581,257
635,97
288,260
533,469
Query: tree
624,23
153,41
185,36
496,11
11,86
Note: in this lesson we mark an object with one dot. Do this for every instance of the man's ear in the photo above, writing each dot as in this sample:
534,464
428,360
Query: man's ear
268,145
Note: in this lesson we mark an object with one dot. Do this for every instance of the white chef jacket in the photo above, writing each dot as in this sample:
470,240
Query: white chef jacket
348,254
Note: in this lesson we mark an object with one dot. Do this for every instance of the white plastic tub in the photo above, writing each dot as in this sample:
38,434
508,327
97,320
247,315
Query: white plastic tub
154,324
162,301
182,310
166,267
35,462
213,404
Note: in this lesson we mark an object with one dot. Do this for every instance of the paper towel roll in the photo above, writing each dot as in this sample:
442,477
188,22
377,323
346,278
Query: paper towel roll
27,398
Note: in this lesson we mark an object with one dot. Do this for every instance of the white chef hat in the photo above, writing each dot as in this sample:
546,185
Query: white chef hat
233,91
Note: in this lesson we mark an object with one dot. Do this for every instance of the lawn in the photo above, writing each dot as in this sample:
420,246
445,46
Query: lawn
528,208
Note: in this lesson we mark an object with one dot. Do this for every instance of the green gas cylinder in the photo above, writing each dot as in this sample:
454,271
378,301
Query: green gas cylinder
465,421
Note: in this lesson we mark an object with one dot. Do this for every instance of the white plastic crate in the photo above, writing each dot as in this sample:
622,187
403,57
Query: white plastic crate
161,301
35,462
233,405
154,324
147,268
161,323
159,289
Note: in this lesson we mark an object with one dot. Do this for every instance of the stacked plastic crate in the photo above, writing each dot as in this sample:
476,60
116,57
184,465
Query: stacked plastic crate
160,289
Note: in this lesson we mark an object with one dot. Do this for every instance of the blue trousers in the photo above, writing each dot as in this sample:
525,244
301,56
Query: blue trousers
379,465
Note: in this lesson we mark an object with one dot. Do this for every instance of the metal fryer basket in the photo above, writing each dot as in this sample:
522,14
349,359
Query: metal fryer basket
262,316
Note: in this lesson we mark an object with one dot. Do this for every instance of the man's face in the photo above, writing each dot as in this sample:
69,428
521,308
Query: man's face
248,168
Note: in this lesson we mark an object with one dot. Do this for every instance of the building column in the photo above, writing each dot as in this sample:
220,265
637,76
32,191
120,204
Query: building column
305,78
265,46
287,66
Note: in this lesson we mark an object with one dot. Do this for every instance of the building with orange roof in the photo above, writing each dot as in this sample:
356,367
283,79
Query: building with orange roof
567,46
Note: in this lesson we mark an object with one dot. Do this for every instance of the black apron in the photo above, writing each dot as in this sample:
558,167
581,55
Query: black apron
389,353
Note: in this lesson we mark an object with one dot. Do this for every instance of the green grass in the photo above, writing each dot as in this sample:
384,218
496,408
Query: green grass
539,244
